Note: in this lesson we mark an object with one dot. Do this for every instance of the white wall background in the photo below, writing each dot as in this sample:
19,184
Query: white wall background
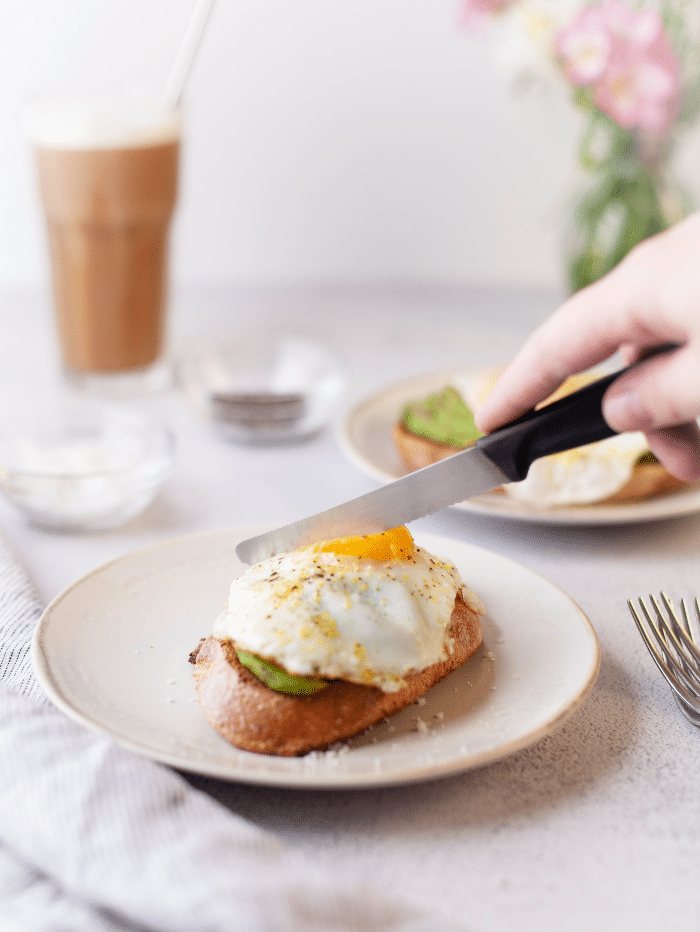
327,140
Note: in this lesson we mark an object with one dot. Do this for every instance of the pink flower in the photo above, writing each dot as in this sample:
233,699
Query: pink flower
639,94
584,47
625,57
474,9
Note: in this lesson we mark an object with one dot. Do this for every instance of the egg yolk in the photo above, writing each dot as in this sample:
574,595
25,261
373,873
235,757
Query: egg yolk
396,544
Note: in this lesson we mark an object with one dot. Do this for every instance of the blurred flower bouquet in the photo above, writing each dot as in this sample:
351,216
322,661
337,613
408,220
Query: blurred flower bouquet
633,69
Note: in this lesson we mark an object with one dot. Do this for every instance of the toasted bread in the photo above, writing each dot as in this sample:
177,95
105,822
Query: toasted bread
648,479
254,717
417,452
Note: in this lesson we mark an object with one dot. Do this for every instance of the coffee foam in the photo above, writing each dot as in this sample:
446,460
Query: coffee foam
101,123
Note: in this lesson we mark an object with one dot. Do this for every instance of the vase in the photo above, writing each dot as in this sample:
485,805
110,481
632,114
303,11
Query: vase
630,192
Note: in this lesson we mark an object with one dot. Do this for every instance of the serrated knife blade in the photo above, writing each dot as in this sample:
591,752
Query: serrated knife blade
502,456
451,480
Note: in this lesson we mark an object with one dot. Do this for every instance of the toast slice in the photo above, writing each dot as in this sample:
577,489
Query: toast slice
417,452
253,717
648,479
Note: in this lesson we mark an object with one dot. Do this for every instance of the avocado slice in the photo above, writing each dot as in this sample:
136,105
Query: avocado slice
278,679
443,417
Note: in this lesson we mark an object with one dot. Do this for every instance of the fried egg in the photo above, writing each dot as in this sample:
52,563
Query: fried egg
581,476
368,610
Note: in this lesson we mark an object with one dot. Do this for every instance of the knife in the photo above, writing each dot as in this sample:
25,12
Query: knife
505,455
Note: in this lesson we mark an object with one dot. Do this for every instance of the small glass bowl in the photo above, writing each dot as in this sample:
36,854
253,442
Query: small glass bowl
265,389
86,468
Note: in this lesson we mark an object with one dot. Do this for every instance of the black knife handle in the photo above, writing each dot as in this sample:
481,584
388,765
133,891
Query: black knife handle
572,421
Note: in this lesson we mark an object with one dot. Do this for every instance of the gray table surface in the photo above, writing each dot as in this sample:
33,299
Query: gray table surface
598,824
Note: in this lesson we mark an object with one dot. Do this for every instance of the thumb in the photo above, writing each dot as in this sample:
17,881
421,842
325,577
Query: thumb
661,392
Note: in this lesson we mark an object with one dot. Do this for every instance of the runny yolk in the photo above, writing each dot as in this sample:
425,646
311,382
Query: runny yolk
396,544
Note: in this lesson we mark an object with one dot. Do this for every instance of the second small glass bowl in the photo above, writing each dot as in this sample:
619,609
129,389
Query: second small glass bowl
84,468
265,389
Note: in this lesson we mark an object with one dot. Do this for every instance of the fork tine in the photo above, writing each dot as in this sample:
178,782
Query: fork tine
656,656
666,629
685,630
658,628
690,658
686,621
671,610
678,658
686,633
671,675
684,664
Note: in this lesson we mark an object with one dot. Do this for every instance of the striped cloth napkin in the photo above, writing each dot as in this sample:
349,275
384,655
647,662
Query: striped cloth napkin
94,838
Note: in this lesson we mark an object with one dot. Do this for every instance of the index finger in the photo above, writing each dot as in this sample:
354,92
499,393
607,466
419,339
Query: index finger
586,330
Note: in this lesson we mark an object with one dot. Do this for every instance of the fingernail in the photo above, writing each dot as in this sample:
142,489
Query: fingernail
626,412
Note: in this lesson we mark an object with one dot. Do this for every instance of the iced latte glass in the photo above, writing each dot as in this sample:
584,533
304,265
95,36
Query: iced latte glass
108,179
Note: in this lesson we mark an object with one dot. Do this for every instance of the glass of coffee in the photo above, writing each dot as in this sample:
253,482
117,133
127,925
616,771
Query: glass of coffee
108,171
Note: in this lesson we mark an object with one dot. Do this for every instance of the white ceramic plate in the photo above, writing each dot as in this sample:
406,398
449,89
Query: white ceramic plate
365,438
112,652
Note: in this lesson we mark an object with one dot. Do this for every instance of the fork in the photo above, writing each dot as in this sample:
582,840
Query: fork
674,647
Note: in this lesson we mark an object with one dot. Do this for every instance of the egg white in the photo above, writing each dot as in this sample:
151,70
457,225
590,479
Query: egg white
581,476
345,617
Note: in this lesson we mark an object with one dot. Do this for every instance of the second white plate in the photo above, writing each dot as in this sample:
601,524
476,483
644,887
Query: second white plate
365,437
112,652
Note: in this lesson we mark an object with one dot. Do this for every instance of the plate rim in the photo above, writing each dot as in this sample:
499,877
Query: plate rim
310,779
676,504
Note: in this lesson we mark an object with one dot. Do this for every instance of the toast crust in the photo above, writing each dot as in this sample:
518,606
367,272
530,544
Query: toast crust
417,452
646,481
255,718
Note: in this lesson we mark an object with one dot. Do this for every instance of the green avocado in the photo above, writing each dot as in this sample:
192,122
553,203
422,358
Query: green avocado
278,679
443,417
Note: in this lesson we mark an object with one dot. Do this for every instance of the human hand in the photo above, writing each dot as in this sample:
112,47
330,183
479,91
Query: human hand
652,297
